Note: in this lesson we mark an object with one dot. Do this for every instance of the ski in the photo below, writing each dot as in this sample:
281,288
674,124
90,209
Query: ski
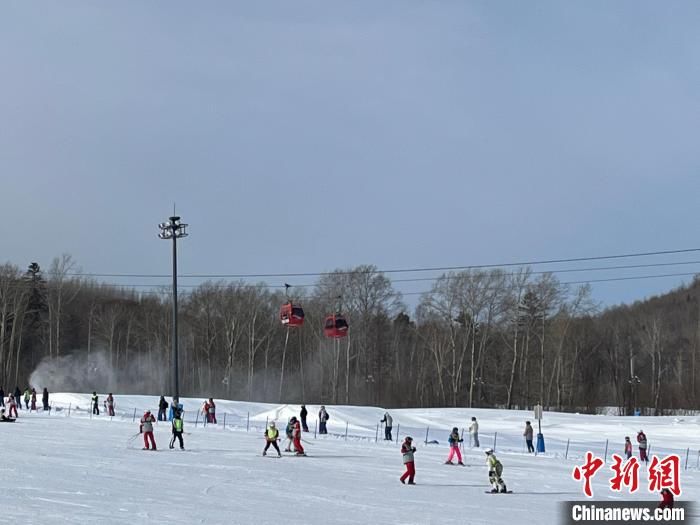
507,492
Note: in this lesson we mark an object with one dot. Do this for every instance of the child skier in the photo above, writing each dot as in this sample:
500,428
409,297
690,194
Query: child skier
296,436
146,429
628,447
642,440
271,436
495,471
289,432
33,400
177,426
110,404
12,406
407,451
454,440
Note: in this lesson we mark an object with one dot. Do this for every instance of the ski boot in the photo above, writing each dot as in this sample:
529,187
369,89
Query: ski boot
503,488
448,463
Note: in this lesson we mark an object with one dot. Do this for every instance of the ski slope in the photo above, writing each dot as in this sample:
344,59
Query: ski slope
79,469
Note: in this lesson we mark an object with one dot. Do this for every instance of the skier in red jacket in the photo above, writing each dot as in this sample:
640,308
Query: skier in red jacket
407,450
666,499
146,429
296,436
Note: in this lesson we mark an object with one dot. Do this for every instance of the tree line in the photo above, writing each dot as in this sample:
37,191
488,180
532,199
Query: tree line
478,338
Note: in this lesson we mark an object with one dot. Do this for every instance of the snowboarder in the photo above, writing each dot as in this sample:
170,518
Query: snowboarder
628,447
642,440
528,436
110,404
2,398
45,399
454,440
296,436
495,472
18,397
289,432
33,406
162,408
666,499
177,426
12,405
146,429
388,424
4,418
303,415
323,418
95,404
407,451
27,396
211,412
271,437
474,433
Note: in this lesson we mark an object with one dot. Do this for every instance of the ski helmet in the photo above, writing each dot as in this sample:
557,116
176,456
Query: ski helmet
488,451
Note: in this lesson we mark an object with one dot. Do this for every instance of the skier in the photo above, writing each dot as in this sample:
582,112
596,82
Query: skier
146,429
474,433
27,396
2,397
212,411
4,418
289,432
162,408
33,400
177,426
296,435
12,405
45,399
666,499
110,404
205,412
323,418
407,451
642,440
388,424
495,471
95,404
628,447
303,415
454,440
18,397
271,436
528,436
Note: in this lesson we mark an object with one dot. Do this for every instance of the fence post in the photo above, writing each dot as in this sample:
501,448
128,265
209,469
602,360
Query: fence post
376,434
698,464
196,419
71,404
495,437
687,454
224,419
605,456
134,417
566,454
315,428
90,412
346,431
398,430
267,422
247,424
427,429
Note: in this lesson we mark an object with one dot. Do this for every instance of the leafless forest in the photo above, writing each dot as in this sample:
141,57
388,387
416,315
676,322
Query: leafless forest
478,338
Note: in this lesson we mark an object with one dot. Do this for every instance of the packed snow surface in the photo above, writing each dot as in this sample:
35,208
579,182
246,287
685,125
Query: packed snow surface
71,467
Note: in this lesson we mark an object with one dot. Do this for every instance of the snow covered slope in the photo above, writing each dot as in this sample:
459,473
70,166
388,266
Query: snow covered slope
78,469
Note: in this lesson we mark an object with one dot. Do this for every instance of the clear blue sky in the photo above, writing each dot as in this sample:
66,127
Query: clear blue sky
309,135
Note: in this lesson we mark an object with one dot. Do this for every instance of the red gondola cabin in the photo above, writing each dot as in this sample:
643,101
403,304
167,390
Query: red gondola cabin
292,314
335,326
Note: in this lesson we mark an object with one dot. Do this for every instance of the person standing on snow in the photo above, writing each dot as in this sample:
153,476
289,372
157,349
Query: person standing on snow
2,398
642,441
205,412
162,409
495,472
289,432
18,397
388,425
177,426
407,451
33,400
323,418
146,429
212,411
271,437
110,404
474,433
12,406
27,396
628,447
454,440
95,404
45,399
528,436
303,415
296,436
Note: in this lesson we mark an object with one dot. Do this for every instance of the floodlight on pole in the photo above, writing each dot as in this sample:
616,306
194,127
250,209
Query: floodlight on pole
174,229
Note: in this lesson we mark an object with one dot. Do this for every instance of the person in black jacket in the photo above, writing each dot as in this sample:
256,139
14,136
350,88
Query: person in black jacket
95,404
162,409
2,397
18,397
45,399
303,415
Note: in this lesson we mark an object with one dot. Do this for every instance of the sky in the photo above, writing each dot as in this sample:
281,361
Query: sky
311,135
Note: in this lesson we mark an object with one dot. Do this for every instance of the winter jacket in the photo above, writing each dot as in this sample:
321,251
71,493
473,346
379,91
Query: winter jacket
407,451
454,440
271,434
474,427
303,413
666,499
323,416
45,397
388,420
110,401
642,440
26,395
162,404
528,432
147,423
95,399
296,432
212,408
628,447
177,425
289,430
494,464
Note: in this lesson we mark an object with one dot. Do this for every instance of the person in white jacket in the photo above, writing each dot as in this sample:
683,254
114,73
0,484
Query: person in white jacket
389,423
474,433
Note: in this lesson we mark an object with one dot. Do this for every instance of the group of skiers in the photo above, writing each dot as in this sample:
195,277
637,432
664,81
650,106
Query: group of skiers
176,424
642,445
293,431
14,400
